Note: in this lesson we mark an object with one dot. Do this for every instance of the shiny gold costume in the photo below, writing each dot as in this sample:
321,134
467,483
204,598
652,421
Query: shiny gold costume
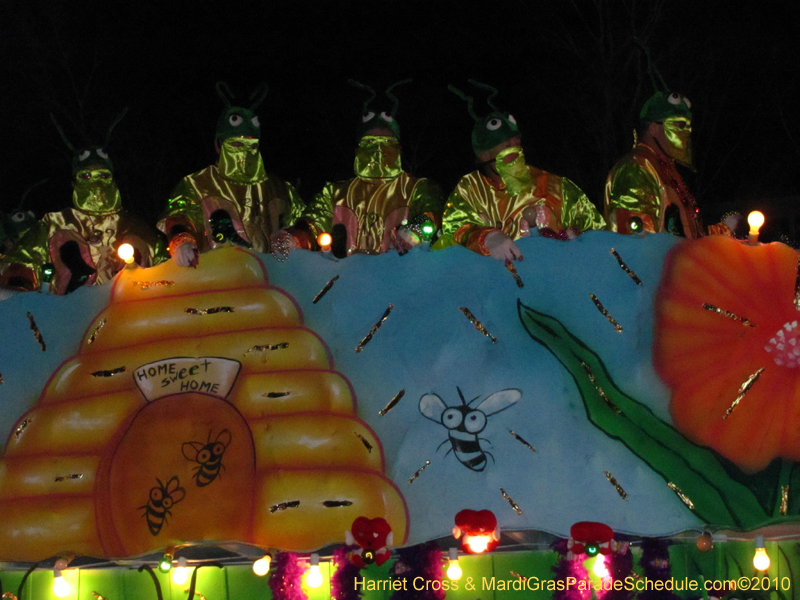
476,207
257,209
370,209
644,184
97,236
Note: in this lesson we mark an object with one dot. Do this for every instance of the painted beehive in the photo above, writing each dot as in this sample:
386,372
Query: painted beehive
198,408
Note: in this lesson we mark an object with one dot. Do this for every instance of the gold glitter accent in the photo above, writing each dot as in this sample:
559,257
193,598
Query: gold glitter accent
749,382
605,313
146,285
21,427
797,287
110,373
684,498
745,321
420,470
625,267
518,576
284,505
97,329
8,596
98,596
364,441
622,493
392,403
37,334
266,347
513,270
784,499
511,503
600,391
478,325
324,290
522,440
336,503
65,477
374,329
209,311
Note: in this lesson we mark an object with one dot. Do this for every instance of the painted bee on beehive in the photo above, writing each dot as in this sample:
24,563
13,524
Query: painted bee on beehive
208,457
162,499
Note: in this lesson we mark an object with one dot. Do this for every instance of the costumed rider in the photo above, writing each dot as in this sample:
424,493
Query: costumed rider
506,198
644,191
382,207
78,245
16,224
234,201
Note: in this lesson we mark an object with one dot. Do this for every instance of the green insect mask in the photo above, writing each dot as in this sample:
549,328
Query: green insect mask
94,189
493,129
238,121
378,157
672,111
381,115
515,173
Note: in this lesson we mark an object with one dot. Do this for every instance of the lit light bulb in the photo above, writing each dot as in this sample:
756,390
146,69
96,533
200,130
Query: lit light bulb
478,543
314,577
755,219
181,573
166,563
60,585
125,252
261,566
325,240
599,568
454,571
761,559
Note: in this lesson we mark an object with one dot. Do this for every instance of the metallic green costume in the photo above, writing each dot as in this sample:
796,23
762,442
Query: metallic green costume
476,207
235,200
382,197
79,244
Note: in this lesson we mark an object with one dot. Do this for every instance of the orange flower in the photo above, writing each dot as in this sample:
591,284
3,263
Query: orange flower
707,357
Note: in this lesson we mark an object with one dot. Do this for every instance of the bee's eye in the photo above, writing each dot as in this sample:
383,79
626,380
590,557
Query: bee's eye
255,122
84,155
18,217
367,116
674,98
102,153
451,418
156,494
512,119
475,421
387,117
218,448
204,455
167,502
235,120
493,124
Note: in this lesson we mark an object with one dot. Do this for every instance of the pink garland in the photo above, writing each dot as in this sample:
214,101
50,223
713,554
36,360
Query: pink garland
286,579
343,579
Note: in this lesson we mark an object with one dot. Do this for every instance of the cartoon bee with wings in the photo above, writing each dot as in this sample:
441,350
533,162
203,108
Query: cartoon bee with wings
160,502
208,457
465,422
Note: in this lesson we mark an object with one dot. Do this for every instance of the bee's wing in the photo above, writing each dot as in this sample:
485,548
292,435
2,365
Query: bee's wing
432,406
190,453
224,437
498,401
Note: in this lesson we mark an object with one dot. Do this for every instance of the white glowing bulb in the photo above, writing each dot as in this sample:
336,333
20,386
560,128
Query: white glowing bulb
761,559
755,219
325,240
478,543
454,571
125,252
314,577
180,574
599,567
261,566
60,585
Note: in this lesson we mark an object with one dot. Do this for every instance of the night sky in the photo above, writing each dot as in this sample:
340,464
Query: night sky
568,71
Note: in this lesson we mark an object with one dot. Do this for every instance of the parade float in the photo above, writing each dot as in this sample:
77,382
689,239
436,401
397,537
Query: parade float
613,408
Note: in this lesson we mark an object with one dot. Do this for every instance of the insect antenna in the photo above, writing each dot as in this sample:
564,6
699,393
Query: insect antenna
464,402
